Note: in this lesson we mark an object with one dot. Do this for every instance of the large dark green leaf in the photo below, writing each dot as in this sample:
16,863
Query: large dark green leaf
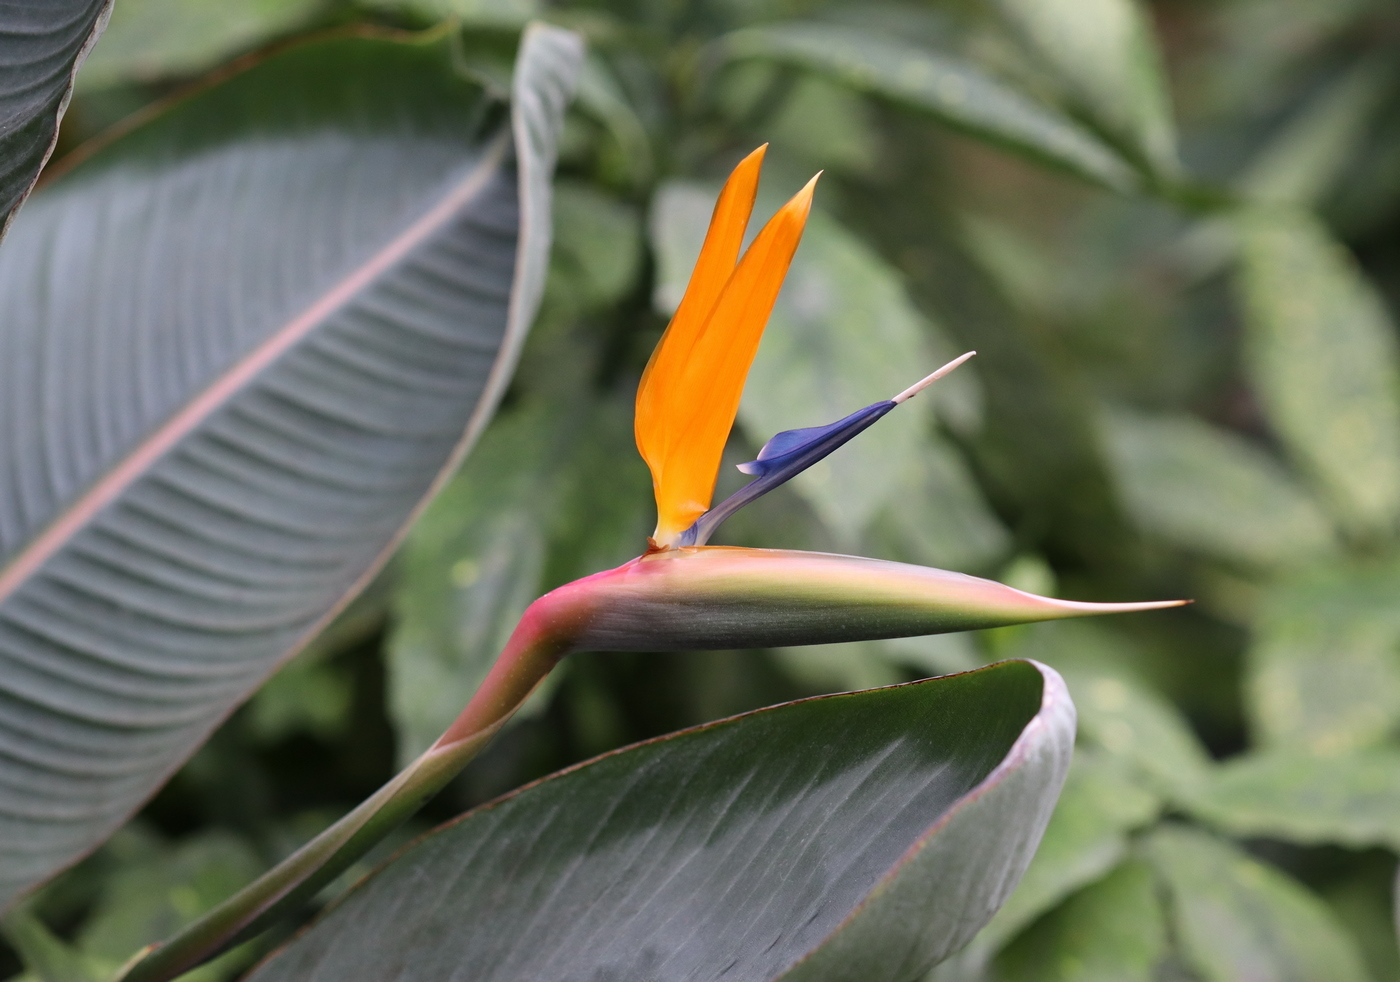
241,344
41,47
861,837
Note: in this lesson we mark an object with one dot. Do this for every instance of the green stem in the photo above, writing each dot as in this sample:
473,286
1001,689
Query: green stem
533,650
707,597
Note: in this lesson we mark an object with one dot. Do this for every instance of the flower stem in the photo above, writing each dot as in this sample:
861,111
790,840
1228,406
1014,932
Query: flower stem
533,650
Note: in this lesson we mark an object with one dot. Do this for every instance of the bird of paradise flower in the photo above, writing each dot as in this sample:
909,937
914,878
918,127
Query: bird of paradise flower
681,593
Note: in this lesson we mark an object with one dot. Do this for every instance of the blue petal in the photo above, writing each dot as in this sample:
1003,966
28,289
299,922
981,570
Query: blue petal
784,447
782,458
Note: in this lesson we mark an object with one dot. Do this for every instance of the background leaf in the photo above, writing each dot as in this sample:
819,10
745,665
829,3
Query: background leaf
225,467
471,566
1118,710
1348,800
496,13
643,861
544,499
939,517
1086,838
158,888
951,90
843,335
1324,666
1111,931
1301,163
1322,356
1104,54
1210,491
1240,919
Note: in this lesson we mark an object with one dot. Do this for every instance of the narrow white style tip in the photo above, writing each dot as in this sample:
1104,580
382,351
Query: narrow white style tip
928,380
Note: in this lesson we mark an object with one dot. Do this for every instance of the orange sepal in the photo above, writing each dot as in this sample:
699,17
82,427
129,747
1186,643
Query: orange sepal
690,390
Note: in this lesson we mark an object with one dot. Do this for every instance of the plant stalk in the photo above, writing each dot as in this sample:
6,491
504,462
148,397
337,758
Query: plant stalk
532,651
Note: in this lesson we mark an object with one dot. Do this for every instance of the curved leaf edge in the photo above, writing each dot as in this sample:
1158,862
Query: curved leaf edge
1054,717
94,35
1048,735
532,250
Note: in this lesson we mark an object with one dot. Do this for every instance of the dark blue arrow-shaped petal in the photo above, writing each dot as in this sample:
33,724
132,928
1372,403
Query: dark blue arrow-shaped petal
790,446
793,451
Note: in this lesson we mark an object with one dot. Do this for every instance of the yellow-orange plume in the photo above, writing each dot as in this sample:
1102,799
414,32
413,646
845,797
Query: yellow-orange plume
690,390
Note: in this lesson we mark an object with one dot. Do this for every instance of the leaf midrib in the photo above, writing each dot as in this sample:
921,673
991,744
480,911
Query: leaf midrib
139,459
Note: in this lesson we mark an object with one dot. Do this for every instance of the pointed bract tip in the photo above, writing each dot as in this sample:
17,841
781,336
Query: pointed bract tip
932,377
712,597
1132,607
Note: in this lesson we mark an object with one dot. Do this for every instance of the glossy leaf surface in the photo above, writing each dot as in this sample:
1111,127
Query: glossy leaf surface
214,437
862,836
41,47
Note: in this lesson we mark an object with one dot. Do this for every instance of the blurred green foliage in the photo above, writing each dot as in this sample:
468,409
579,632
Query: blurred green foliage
1173,234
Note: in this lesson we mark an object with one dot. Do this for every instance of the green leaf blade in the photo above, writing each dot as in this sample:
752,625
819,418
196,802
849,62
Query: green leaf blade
957,93
1105,56
1322,673
1349,800
42,47
1112,931
1322,356
1240,919
859,836
233,422
1213,492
